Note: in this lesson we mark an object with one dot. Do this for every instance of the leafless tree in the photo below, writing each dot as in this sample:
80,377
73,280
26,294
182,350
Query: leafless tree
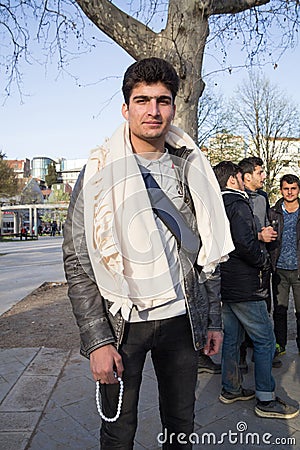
213,116
178,30
272,122
226,146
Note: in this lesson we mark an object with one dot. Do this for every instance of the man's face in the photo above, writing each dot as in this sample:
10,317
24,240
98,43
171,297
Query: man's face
255,180
149,113
289,192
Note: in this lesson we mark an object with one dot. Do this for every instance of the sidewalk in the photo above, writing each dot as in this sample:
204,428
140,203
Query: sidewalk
47,402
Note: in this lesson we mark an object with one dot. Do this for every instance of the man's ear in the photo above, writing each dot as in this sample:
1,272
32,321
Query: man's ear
247,176
174,111
232,179
125,111
230,182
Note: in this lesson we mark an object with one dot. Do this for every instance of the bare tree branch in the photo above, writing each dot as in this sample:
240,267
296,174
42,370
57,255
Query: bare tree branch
271,120
231,6
213,116
132,35
189,27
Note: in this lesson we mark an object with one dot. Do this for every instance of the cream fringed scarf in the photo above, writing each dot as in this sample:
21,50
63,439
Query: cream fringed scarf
123,241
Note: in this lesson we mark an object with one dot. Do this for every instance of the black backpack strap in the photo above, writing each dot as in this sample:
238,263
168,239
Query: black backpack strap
186,238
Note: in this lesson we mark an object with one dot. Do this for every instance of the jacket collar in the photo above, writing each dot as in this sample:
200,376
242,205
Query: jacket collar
236,192
278,205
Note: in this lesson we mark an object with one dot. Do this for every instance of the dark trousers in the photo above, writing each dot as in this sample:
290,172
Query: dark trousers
175,365
283,282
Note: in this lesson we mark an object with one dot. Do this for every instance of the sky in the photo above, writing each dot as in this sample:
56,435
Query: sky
58,116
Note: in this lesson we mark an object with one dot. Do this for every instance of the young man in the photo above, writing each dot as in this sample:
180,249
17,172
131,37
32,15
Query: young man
285,258
243,304
133,267
254,175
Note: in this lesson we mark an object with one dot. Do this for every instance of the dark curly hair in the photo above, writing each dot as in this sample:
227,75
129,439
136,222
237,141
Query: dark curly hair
224,170
290,179
248,164
150,70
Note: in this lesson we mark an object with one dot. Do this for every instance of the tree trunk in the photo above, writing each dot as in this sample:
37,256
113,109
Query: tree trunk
182,42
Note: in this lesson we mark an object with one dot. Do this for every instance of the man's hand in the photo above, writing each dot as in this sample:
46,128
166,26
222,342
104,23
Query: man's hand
214,341
103,362
267,234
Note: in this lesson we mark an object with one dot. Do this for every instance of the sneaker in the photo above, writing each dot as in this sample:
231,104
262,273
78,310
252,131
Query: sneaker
206,364
280,350
276,363
227,397
276,409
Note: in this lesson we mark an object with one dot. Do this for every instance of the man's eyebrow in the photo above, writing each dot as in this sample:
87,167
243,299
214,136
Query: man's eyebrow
149,97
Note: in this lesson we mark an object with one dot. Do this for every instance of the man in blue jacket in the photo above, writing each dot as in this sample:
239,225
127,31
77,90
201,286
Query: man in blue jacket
244,306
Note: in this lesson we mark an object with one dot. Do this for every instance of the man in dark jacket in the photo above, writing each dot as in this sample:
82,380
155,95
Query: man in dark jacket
285,258
253,174
244,307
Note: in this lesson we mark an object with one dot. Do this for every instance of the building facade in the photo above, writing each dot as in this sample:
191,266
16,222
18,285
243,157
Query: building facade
21,167
69,170
39,167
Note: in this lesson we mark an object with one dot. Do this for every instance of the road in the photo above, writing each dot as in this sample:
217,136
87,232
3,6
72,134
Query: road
25,265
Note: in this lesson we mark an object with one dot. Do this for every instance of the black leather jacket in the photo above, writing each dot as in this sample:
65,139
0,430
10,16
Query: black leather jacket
96,324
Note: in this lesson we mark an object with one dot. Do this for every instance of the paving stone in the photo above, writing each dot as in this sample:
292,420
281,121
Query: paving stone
14,441
148,393
30,393
5,387
208,389
13,363
77,366
24,355
53,412
70,420
217,410
48,362
73,390
296,438
63,434
149,426
6,384
96,431
85,412
137,446
149,365
16,366
18,421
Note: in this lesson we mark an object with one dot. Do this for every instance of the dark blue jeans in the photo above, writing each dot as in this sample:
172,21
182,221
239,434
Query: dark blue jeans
175,364
253,318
